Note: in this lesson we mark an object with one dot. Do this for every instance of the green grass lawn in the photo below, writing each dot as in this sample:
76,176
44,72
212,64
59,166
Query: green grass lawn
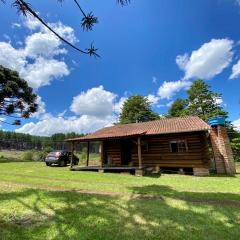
39,202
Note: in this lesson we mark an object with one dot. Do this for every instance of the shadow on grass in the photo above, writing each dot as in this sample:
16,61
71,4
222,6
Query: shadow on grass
38,214
155,191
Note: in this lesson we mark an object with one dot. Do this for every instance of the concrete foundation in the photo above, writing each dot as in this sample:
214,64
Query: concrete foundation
201,172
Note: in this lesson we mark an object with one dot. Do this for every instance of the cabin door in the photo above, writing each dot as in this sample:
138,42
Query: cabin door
126,152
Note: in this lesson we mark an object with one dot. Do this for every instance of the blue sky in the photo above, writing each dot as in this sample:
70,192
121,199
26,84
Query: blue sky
155,48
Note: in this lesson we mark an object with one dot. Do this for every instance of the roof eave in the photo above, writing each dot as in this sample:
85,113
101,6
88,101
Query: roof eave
103,138
134,135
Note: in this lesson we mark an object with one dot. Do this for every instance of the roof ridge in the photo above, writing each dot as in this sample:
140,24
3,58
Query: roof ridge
156,120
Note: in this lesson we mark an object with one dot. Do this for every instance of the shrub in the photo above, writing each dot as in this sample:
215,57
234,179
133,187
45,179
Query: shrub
83,155
48,149
28,156
41,155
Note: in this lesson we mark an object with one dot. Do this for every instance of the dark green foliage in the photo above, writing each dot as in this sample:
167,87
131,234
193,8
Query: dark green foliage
234,137
137,109
16,97
201,102
235,144
178,108
26,141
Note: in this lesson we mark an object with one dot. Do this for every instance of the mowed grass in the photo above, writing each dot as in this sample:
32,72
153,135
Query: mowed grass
39,202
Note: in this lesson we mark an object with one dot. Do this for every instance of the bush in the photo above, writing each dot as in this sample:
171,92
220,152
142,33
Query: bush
83,155
41,155
29,155
48,149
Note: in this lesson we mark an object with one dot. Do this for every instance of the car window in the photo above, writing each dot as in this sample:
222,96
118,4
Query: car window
52,153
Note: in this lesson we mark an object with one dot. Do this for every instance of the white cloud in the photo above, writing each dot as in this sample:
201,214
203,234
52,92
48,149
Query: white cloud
235,70
96,108
11,57
207,61
64,31
218,100
182,61
169,104
41,108
16,25
237,2
42,44
154,79
168,89
236,124
2,120
161,105
32,23
36,59
119,105
51,125
7,38
94,102
43,71
153,99
61,114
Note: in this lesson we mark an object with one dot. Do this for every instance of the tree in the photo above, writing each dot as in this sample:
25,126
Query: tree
87,23
235,144
137,109
201,102
178,108
17,99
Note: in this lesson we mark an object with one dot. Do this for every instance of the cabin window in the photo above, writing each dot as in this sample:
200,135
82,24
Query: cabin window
178,146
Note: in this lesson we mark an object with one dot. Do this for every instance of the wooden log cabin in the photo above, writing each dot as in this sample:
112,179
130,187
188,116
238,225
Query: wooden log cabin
171,143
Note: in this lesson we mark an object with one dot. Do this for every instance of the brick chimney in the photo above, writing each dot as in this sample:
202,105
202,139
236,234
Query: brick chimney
222,150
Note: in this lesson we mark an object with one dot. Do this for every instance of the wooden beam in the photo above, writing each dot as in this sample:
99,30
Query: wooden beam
102,154
139,152
88,148
72,151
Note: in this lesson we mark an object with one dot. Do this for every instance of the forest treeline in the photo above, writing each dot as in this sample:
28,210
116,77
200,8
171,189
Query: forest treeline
7,135
21,141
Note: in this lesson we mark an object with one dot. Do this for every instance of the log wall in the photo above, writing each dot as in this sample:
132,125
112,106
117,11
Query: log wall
156,151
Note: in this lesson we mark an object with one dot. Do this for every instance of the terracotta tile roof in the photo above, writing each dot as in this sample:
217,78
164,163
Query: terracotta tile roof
162,126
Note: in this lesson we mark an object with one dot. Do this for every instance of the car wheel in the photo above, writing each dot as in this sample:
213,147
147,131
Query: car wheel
48,164
61,163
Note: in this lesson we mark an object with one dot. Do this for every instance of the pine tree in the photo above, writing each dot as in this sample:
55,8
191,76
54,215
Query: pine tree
17,99
202,101
137,109
178,108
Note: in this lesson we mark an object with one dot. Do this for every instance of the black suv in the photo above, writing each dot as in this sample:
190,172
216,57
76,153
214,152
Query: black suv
61,158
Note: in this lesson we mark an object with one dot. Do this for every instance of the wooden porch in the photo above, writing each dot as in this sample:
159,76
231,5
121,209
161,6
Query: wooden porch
103,166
